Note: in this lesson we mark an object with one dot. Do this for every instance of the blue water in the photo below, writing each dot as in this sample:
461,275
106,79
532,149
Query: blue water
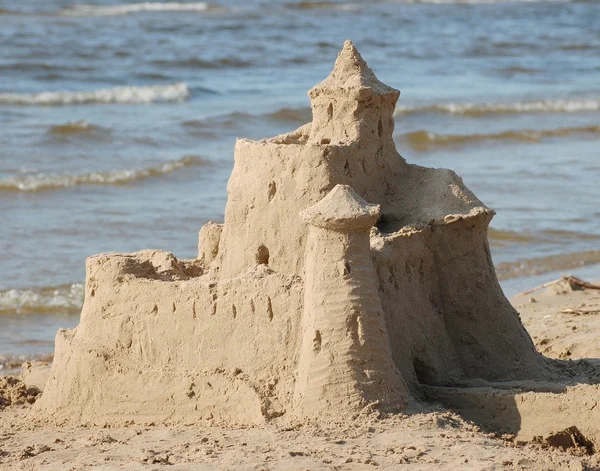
118,121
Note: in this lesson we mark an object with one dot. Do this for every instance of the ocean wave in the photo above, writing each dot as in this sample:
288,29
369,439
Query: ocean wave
548,264
201,7
323,5
72,127
197,63
64,299
422,141
504,237
76,129
422,138
501,237
129,8
296,115
482,109
578,46
350,6
237,121
304,114
119,95
51,181
518,70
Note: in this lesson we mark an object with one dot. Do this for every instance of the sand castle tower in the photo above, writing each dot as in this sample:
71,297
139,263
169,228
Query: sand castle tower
351,104
345,361
384,284
349,141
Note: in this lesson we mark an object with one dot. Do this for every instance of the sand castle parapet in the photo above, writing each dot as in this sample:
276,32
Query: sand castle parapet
342,278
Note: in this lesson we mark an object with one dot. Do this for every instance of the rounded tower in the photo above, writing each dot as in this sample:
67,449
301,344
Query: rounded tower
345,359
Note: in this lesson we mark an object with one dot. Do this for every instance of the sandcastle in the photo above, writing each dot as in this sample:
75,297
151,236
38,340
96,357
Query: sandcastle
342,278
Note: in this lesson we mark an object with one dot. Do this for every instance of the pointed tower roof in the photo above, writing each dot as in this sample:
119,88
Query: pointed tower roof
342,209
351,73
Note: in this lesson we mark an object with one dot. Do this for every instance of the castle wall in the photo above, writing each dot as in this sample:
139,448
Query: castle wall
270,184
148,346
438,337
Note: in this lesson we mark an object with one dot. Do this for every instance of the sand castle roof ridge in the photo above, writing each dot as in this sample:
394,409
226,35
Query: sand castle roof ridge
342,209
351,73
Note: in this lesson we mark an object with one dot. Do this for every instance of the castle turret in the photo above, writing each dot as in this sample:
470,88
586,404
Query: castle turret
345,359
351,104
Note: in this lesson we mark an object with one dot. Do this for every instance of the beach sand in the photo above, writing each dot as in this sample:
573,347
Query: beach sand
563,322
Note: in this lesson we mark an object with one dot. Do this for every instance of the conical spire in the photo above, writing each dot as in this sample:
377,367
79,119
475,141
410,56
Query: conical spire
352,105
351,72
343,210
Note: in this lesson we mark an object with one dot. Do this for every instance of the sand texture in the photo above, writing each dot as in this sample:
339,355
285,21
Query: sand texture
425,441
563,321
432,438
347,298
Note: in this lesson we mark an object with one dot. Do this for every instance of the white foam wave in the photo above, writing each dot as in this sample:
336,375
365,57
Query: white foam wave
49,181
119,95
474,109
126,9
65,299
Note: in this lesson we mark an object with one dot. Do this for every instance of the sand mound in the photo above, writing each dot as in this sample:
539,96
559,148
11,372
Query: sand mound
343,279
14,392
